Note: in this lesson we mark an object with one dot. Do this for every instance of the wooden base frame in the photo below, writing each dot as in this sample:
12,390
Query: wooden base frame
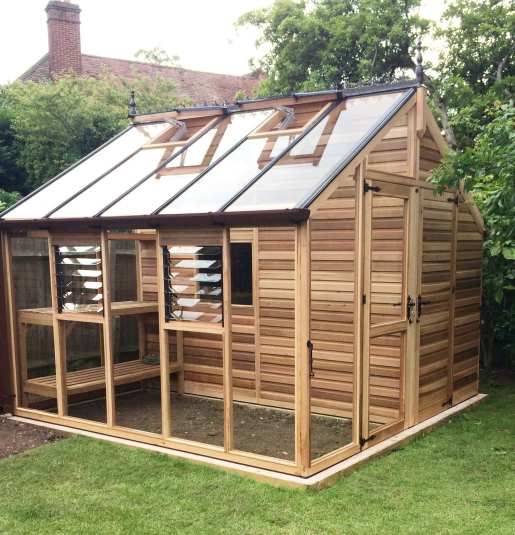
324,478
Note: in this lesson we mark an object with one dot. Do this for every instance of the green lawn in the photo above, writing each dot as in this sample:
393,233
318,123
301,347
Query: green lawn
458,479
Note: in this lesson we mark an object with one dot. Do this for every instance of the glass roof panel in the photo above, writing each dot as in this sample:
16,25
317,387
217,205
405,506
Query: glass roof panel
302,170
92,200
154,192
217,186
84,173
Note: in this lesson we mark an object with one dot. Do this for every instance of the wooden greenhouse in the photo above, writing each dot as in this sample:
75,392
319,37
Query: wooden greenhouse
273,283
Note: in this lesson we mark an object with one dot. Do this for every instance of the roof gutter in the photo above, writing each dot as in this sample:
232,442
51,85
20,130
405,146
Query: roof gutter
292,216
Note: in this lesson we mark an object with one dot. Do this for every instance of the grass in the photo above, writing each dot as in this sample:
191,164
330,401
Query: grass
458,479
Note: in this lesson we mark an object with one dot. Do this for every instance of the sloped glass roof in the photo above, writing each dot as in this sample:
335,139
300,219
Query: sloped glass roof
245,160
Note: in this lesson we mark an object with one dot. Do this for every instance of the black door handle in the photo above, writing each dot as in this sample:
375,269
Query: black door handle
310,349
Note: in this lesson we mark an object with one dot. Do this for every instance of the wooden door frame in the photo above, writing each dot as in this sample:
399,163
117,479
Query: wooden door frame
409,339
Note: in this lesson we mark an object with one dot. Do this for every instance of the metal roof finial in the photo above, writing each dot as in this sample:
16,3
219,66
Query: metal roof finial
133,111
419,69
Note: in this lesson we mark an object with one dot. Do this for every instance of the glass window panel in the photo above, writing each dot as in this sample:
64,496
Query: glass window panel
91,201
241,273
227,178
195,154
301,170
79,278
152,193
85,173
193,285
85,371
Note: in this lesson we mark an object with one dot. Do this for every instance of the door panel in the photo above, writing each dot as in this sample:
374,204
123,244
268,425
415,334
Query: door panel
387,315
436,299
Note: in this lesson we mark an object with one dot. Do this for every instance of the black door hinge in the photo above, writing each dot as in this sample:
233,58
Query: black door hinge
367,187
363,440
447,402
364,299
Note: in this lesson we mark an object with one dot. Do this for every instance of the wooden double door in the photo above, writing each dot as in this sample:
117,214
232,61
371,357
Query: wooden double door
390,293
409,295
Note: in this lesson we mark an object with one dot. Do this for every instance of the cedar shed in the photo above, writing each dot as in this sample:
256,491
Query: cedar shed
272,284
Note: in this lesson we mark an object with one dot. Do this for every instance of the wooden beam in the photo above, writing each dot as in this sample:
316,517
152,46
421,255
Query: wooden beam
365,356
9,382
413,142
257,313
413,288
164,350
421,123
227,341
59,338
302,333
358,303
107,329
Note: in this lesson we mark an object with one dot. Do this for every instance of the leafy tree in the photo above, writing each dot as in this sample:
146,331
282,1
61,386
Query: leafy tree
474,91
317,44
157,56
11,174
7,198
48,126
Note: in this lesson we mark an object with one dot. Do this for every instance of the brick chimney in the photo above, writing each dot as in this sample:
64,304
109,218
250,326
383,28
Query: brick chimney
64,53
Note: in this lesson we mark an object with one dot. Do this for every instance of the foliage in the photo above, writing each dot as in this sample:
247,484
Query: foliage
48,126
459,479
157,56
7,198
316,44
476,81
478,42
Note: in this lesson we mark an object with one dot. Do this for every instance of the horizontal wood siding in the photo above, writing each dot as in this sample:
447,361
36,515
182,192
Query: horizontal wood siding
391,154
430,155
388,250
437,281
467,306
332,229
276,260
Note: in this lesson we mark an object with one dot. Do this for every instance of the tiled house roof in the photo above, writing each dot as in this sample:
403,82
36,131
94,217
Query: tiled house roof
196,85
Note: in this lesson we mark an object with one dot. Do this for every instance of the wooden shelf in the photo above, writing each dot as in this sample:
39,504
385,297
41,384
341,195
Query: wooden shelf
43,316
81,381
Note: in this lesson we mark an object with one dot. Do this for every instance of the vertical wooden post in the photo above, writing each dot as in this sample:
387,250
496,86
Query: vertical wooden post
164,350
179,337
302,364
257,314
9,357
452,300
227,340
139,296
107,330
59,338
413,289
358,303
367,267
